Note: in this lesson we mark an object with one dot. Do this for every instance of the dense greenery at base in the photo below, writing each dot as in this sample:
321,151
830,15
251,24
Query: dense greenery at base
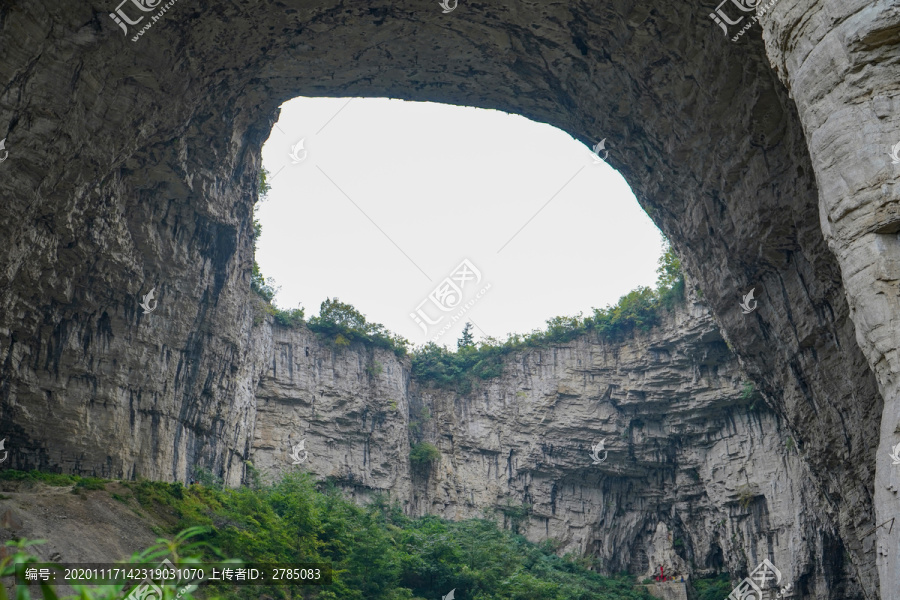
715,588
376,552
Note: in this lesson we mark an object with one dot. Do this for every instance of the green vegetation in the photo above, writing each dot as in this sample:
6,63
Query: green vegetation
343,324
376,368
182,554
639,310
286,318
467,338
714,588
423,453
55,479
419,414
376,552
258,283
515,514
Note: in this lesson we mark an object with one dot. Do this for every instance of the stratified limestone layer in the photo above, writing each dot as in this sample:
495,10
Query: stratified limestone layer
697,475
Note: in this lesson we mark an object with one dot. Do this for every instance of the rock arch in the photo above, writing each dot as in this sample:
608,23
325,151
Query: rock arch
132,166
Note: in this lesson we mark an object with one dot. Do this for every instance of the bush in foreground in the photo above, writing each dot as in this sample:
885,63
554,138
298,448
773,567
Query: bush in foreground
376,552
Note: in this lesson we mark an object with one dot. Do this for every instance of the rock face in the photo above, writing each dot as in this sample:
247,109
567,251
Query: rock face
131,166
698,474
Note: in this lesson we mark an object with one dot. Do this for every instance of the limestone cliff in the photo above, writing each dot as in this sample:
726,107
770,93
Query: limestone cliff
131,166
700,474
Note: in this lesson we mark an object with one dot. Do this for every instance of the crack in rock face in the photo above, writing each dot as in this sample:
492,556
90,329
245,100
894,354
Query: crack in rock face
131,151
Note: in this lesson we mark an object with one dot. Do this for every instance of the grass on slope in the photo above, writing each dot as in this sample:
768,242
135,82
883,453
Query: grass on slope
376,552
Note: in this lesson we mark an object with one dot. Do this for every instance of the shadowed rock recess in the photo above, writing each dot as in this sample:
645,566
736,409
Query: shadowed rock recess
132,165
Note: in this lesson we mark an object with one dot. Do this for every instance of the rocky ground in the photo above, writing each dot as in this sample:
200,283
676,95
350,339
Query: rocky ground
78,525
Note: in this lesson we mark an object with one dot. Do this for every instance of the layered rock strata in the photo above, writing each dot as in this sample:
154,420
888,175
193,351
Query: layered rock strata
697,475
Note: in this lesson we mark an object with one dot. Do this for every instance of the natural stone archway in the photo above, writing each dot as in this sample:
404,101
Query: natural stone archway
132,164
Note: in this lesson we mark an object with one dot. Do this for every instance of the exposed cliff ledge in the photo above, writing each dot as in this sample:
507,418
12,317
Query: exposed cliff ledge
700,474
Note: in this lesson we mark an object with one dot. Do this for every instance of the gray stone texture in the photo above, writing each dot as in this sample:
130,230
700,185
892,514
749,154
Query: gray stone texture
700,474
132,166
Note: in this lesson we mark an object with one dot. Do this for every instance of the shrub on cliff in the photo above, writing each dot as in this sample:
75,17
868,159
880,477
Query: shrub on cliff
341,321
639,310
423,453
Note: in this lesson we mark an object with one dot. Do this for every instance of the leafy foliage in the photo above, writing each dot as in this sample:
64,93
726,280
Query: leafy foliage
423,453
54,479
286,318
714,588
638,310
263,187
258,283
343,324
515,515
745,496
181,553
376,552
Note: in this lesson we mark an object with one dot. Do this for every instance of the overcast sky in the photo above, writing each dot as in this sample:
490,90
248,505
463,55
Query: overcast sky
387,198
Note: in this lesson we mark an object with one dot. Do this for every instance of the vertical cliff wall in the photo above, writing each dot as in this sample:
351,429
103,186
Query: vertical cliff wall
700,474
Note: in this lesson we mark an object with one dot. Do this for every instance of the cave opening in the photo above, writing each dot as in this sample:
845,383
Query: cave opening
376,201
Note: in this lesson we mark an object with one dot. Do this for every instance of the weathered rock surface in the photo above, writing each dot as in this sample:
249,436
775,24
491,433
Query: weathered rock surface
699,474
131,166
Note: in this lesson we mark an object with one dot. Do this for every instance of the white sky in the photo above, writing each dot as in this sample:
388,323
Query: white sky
391,193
